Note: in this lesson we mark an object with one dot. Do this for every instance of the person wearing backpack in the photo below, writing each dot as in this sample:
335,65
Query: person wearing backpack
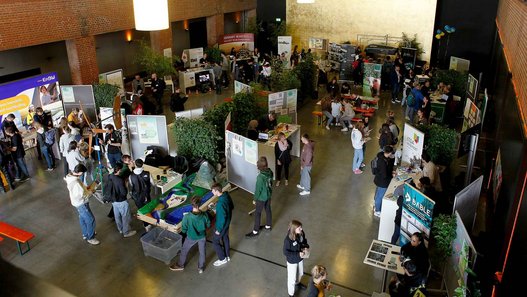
117,195
413,102
64,142
262,197
46,139
140,182
383,176
79,195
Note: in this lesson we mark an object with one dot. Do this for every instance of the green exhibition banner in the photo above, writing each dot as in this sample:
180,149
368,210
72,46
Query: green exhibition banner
372,79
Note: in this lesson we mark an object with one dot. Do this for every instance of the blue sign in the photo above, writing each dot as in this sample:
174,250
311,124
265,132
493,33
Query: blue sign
416,215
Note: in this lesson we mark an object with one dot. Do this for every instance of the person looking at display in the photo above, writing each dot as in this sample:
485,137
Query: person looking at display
252,132
282,153
42,118
30,115
18,153
224,208
382,177
217,70
118,198
319,283
417,252
114,145
73,117
267,122
194,225
262,197
9,121
295,250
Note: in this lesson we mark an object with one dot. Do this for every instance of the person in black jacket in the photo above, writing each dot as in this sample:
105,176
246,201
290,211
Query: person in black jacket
399,192
158,87
177,101
383,177
295,250
417,252
282,153
405,285
120,205
333,87
267,122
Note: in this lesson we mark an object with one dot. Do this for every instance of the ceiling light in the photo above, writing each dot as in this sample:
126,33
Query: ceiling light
151,15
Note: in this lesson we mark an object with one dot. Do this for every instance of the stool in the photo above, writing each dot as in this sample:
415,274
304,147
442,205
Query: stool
320,117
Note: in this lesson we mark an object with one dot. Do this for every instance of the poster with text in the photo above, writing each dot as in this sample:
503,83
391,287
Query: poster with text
190,57
472,86
318,43
413,143
80,96
284,104
41,90
416,215
372,79
471,115
284,49
147,128
240,87
251,151
243,44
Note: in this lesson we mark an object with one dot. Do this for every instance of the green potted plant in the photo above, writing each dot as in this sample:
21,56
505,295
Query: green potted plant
214,54
456,79
196,138
306,71
104,94
443,234
440,143
411,42
152,61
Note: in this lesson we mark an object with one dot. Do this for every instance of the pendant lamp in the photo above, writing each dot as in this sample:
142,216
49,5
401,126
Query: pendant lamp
305,1
151,15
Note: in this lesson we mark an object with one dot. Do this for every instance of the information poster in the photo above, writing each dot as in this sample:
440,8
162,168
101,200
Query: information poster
284,49
67,94
471,115
240,87
284,104
251,151
416,215
472,86
413,143
459,64
243,44
318,43
237,147
147,128
191,57
372,79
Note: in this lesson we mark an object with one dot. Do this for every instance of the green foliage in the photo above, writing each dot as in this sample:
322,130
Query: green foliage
444,233
152,61
217,115
275,30
245,109
456,79
306,71
411,42
104,94
196,138
253,26
440,143
214,54
283,79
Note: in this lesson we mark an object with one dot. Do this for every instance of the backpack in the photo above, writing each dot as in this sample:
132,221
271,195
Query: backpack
108,190
140,187
410,100
373,164
49,137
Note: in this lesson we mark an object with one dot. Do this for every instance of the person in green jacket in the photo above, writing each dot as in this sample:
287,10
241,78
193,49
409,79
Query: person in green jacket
262,197
195,225
224,209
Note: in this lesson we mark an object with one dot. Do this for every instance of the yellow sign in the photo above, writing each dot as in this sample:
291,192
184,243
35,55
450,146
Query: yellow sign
10,105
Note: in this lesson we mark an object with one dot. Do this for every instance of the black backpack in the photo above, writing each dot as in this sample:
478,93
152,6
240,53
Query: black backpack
373,164
140,187
108,189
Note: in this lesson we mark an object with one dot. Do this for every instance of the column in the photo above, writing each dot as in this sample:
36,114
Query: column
215,28
82,58
160,40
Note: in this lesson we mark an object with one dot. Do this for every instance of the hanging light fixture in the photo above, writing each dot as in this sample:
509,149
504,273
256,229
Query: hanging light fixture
151,15
305,1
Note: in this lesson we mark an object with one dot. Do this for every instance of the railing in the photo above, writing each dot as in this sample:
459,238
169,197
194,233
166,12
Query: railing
365,39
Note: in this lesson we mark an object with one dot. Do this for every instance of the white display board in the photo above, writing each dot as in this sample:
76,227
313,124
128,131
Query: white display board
241,87
146,130
284,104
114,77
191,57
413,143
459,64
466,202
241,154
284,49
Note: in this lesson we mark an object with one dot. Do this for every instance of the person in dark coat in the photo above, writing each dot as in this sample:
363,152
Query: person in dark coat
295,250
383,177
224,209
417,252
177,101
282,153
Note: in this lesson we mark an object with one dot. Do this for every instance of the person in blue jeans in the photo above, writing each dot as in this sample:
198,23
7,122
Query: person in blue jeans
79,197
383,177
412,107
114,145
358,141
18,153
45,148
118,197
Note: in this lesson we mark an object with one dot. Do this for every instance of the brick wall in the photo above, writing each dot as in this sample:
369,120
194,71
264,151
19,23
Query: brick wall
512,26
33,22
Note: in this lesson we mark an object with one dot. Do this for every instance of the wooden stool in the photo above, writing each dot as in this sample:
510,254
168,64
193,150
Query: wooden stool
319,115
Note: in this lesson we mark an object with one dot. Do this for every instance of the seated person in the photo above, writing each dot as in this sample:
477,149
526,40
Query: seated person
405,285
417,252
252,133
267,122
345,89
74,117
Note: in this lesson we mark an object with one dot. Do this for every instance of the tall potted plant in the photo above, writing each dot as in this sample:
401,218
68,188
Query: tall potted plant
104,94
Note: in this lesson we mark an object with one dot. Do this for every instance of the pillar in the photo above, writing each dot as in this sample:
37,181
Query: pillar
160,40
215,28
82,59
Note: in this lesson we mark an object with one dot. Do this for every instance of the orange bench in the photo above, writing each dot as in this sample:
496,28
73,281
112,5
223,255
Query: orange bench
21,236
319,115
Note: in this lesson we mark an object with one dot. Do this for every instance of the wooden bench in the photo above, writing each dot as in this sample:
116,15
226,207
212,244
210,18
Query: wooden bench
21,236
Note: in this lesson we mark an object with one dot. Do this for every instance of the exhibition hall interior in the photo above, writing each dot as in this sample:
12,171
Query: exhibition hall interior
263,148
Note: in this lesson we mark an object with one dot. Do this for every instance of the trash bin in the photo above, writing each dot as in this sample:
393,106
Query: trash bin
161,244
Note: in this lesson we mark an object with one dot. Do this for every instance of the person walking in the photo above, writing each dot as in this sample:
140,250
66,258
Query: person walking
262,197
358,141
194,225
224,208
396,79
282,153
295,250
382,177
121,208
306,163
79,195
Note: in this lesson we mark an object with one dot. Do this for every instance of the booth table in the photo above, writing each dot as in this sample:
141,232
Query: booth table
384,256
172,178
389,205
190,77
438,107
266,149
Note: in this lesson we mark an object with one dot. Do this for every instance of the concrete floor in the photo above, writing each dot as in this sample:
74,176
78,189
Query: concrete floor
337,219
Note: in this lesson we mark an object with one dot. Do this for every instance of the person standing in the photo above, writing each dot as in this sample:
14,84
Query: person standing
140,182
306,163
431,171
177,101
18,153
44,141
158,87
121,208
73,157
138,85
267,122
194,225
266,75
79,199
295,250
114,145
282,153
383,177
64,143
217,70
396,78
262,197
224,209
358,141
225,70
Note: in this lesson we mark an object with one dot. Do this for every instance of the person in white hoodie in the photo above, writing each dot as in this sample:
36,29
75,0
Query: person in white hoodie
79,195
358,140
74,157
64,143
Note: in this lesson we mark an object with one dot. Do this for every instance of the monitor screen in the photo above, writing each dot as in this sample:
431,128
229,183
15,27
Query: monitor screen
204,77
263,136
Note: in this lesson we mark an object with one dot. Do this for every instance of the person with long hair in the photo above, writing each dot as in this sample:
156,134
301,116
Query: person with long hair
282,152
385,137
358,140
295,250
319,283
306,163
416,250
262,197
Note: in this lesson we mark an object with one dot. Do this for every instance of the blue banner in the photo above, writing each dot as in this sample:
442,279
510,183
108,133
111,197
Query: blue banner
416,215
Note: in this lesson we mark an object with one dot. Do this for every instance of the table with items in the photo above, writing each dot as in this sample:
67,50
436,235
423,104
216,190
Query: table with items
385,256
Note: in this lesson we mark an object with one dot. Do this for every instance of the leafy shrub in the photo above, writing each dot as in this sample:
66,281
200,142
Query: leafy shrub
104,94
440,143
196,138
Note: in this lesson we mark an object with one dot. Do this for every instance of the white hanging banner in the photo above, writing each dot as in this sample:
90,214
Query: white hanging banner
413,143
284,49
